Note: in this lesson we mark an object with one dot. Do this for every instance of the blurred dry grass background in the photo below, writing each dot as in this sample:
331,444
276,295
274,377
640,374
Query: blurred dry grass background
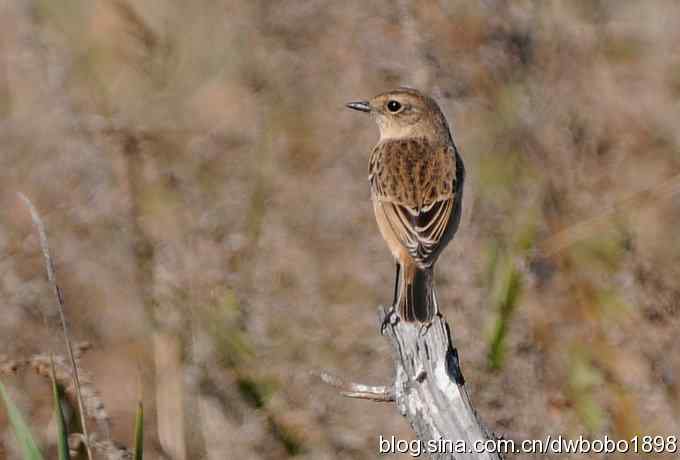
206,200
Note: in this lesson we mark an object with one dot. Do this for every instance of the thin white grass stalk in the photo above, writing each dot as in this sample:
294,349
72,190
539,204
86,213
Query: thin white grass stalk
49,267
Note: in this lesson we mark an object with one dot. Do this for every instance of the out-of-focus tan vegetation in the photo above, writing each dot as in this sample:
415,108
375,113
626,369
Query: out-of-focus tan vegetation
206,200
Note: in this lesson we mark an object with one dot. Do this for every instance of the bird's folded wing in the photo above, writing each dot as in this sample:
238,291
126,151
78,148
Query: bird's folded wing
414,184
419,231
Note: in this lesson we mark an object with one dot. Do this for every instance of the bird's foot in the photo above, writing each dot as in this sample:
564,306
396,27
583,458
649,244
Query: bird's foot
391,318
424,327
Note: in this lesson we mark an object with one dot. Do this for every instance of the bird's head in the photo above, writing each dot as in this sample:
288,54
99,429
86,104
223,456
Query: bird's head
405,113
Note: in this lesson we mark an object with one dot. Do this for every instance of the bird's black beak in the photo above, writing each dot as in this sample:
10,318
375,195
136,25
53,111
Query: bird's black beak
361,106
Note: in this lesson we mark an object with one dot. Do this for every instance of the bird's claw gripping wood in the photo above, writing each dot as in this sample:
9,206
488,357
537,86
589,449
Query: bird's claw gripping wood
391,318
424,327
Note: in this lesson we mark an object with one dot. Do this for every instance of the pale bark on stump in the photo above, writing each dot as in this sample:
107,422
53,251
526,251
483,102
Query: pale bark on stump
429,387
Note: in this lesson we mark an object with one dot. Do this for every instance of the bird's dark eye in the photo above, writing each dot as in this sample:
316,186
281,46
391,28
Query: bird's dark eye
393,106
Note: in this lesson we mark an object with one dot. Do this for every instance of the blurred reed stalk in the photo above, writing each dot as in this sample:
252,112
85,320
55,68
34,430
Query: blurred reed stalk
51,276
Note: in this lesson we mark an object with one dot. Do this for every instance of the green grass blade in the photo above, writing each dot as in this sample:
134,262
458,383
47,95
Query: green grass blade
21,430
139,432
62,433
506,302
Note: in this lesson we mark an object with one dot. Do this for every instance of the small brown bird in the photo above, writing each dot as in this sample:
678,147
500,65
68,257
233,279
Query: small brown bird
416,179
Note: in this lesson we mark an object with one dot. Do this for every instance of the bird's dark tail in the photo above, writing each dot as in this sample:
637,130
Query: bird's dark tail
417,300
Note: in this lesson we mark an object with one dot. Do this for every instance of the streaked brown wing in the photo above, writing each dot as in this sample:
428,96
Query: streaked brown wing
414,186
